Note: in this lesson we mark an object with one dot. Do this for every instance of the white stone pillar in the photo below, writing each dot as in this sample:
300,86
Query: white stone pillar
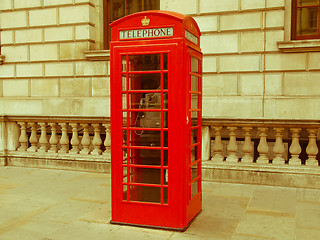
75,138
85,142
53,139
64,140
96,141
263,146
232,146
23,139
312,148
247,146
278,148
43,140
33,138
107,141
295,148
206,142
217,146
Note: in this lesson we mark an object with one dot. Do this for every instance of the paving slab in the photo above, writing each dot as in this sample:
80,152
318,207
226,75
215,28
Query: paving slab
43,204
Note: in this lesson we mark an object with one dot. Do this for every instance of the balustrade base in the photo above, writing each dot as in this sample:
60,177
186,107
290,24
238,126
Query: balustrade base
285,176
86,163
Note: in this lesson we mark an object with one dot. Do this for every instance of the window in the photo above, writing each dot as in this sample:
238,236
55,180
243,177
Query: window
305,19
116,9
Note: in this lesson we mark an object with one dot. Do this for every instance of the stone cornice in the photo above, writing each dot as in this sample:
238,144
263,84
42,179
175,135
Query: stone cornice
97,55
312,45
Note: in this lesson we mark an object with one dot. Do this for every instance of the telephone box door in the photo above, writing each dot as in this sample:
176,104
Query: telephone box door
142,137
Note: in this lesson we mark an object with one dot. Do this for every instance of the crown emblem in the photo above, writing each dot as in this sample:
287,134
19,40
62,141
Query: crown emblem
145,21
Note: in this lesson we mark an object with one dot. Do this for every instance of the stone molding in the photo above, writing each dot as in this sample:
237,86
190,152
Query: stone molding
97,55
300,46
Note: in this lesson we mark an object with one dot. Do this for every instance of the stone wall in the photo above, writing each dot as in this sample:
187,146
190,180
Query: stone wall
247,73
45,71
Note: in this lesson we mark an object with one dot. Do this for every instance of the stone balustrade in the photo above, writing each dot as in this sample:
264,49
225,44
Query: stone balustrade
284,153
266,143
59,142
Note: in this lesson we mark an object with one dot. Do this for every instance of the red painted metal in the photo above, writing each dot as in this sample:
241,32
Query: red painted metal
156,104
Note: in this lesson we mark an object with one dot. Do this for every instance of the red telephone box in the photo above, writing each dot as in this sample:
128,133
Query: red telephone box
156,103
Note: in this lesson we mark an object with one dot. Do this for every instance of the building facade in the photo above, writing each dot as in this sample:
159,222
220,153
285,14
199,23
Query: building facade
261,82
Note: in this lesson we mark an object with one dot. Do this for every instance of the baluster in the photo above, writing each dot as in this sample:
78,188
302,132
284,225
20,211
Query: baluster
53,139
96,141
33,138
107,141
64,140
217,146
43,140
278,148
247,146
263,147
75,138
312,148
232,146
23,139
85,139
295,148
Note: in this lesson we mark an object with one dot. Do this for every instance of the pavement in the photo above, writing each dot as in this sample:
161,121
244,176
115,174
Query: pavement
43,204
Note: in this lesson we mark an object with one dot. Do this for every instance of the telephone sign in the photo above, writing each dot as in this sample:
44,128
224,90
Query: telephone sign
156,106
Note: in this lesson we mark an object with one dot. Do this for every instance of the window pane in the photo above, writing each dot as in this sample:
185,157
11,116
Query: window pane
194,171
144,62
194,65
134,6
146,138
307,21
118,9
194,101
150,81
194,136
151,4
145,194
145,175
145,100
307,2
194,188
194,84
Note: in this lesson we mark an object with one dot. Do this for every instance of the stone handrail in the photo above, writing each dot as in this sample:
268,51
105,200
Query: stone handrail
261,142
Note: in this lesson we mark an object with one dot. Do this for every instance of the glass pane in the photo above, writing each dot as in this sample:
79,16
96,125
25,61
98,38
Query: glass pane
307,21
124,155
194,84
124,63
307,2
149,157
124,82
124,137
145,194
165,195
165,81
151,5
133,6
165,157
194,188
165,177
194,118
145,175
145,100
147,62
118,9
194,136
125,189
194,151
124,119
150,81
165,61
124,101
194,65
147,138
124,175
165,138
194,171
194,101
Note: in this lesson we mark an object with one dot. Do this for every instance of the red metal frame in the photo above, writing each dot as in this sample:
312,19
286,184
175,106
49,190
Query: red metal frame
294,34
147,193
